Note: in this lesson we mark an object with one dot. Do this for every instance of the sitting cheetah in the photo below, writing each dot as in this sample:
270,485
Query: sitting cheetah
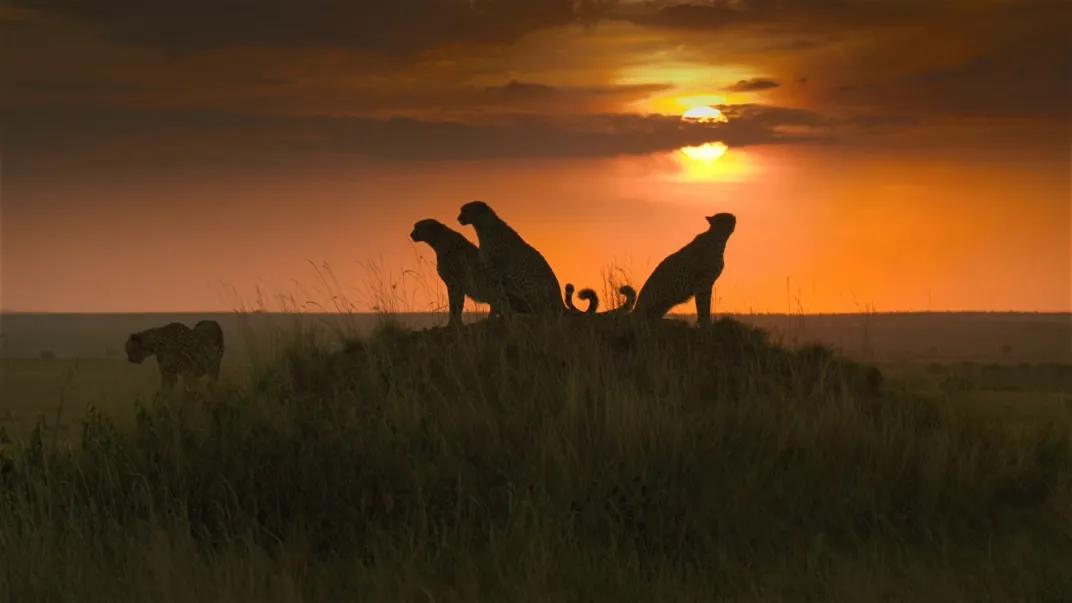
521,274
458,264
689,272
180,351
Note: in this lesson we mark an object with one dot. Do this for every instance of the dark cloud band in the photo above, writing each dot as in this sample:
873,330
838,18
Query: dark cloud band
390,26
753,85
110,134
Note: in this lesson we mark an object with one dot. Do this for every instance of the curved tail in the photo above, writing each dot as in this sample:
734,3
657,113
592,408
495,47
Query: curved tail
585,294
630,296
627,292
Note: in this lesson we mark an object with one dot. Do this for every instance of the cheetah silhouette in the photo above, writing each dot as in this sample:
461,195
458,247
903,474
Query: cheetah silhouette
458,264
521,275
180,351
689,272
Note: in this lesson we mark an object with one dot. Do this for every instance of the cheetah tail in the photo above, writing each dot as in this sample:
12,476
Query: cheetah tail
630,296
585,294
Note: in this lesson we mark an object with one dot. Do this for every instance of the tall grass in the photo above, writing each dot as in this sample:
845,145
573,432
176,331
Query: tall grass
572,459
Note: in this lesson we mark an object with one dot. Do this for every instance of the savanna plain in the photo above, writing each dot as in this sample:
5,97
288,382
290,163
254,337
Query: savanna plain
350,457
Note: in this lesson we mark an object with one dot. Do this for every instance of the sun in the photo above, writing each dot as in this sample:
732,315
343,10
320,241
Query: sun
704,162
709,151
704,114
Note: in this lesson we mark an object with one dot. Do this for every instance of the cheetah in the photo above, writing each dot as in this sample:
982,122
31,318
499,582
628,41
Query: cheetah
458,264
180,351
521,274
689,272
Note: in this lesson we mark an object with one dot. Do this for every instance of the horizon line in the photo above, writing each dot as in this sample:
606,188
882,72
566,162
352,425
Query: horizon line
434,312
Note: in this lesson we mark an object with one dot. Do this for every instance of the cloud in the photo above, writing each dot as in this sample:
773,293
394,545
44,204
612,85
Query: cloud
1030,78
387,26
1021,68
753,85
725,13
694,16
558,99
1010,59
109,136
73,86
524,90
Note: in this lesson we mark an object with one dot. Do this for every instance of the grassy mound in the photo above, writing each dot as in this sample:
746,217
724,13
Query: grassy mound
577,459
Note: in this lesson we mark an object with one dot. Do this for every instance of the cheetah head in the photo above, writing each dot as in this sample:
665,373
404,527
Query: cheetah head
722,223
475,212
136,351
426,231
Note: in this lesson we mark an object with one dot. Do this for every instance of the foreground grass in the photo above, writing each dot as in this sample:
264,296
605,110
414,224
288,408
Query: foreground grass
571,460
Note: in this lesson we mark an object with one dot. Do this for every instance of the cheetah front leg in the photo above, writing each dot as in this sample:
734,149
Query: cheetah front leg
456,300
501,307
498,302
703,306
168,378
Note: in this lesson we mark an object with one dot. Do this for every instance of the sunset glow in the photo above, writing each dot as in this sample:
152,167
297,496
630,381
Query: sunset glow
151,162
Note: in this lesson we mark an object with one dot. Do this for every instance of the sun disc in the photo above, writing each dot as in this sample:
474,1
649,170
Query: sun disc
709,151
704,114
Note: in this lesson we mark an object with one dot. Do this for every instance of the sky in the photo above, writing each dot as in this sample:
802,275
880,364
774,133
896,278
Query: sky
219,155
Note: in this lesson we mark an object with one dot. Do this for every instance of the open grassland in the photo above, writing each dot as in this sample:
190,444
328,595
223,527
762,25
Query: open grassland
577,459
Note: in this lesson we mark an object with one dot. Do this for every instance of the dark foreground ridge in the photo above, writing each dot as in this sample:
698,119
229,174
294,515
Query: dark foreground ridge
668,359
566,459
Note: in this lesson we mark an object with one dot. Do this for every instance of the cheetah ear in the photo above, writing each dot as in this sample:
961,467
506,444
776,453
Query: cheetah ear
711,219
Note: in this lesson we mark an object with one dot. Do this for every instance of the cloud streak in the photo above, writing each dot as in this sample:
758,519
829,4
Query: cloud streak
103,135
386,26
755,84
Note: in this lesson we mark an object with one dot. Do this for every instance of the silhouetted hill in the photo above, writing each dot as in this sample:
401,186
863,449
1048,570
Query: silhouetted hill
1008,338
530,459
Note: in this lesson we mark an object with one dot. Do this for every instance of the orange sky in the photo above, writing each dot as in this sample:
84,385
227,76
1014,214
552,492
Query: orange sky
895,160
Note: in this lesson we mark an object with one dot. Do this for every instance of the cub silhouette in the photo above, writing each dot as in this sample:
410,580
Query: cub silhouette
689,272
458,264
180,351
521,275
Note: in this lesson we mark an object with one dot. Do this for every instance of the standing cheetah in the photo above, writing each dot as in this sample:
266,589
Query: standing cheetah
458,264
521,274
180,351
689,272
